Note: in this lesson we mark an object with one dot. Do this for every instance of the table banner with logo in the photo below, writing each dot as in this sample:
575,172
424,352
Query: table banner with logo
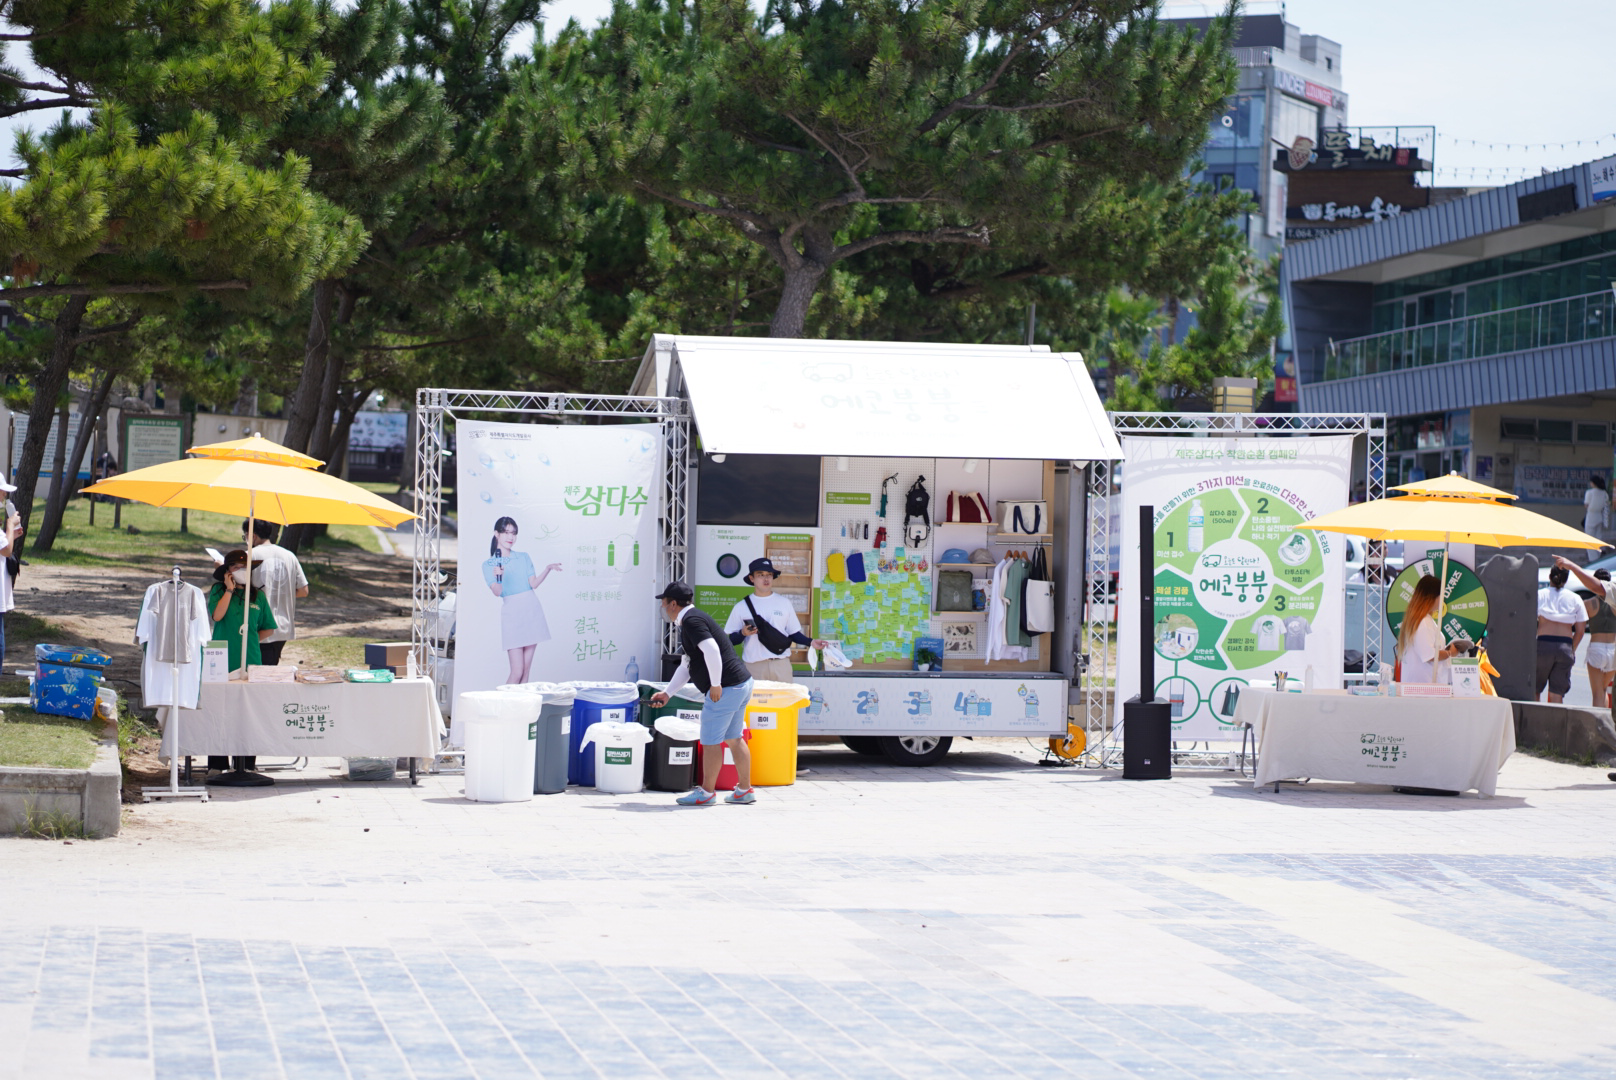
558,552
291,719
1240,592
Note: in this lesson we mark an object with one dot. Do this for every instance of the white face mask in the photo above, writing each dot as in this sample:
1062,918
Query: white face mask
240,576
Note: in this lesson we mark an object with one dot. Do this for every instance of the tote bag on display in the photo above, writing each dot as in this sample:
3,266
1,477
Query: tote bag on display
1038,598
1024,518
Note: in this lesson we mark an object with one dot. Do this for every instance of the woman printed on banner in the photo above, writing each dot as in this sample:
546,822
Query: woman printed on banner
511,576
1421,656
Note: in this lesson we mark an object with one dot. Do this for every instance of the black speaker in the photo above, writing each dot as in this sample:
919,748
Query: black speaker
1147,740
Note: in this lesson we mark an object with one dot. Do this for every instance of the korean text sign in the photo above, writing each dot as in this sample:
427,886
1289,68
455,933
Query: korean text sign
1240,592
558,552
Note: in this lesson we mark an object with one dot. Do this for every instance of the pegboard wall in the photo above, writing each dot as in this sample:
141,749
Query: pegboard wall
844,480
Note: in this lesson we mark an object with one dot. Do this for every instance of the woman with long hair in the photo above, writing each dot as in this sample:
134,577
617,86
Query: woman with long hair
511,577
1420,651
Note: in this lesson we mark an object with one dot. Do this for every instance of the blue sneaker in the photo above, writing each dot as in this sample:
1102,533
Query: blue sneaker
698,797
741,798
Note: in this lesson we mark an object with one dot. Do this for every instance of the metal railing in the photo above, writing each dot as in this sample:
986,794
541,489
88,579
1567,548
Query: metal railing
1493,333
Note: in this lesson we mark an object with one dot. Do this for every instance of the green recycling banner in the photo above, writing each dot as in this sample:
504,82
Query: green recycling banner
1240,592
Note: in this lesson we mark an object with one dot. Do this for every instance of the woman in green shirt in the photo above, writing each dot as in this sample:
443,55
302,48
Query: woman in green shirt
226,603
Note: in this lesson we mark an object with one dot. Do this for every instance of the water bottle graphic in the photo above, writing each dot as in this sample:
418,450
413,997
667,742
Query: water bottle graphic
631,672
1197,526
636,553
611,551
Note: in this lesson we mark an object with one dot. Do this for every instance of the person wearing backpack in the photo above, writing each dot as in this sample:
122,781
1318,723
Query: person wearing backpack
767,625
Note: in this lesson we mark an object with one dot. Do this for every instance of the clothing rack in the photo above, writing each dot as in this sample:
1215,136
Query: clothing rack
174,790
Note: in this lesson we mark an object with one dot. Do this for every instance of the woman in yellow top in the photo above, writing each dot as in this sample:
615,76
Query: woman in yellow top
226,603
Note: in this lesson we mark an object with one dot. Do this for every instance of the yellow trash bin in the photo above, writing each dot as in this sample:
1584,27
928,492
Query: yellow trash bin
772,717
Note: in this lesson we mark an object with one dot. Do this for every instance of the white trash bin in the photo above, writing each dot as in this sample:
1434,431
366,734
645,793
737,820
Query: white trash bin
619,756
500,727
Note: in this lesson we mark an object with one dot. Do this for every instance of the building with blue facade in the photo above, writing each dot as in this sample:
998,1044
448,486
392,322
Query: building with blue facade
1485,327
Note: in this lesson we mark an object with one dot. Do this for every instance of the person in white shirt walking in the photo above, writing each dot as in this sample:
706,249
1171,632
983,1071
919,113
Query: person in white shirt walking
1561,620
1595,511
283,581
767,624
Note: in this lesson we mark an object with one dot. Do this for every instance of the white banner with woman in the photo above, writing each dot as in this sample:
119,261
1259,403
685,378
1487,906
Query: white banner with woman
558,542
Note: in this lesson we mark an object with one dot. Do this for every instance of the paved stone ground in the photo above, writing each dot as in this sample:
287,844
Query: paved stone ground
986,918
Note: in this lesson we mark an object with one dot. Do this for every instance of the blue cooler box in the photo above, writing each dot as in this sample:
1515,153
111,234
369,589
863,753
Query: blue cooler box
66,680
596,701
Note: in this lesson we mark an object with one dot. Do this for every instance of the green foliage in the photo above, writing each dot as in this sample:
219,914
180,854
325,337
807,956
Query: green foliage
1237,320
820,131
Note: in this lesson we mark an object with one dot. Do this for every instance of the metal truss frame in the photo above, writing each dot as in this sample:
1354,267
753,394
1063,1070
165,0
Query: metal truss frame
428,634
1099,677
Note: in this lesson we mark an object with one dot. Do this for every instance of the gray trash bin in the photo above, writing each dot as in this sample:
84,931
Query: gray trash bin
552,734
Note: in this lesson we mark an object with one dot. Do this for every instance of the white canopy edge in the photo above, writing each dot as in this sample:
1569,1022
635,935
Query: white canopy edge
883,399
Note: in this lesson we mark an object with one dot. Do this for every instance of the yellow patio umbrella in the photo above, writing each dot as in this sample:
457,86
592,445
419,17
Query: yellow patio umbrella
279,493
1452,509
257,448
1453,486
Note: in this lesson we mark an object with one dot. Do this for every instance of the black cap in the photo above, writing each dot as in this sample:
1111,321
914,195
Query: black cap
677,591
759,564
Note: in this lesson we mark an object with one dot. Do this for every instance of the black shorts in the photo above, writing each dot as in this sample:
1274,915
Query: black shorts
1555,659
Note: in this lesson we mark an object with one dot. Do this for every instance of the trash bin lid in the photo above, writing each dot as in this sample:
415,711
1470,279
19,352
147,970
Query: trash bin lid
616,733
678,730
496,707
777,694
606,693
553,693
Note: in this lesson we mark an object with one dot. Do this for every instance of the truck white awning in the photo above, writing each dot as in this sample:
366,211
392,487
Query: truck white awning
890,399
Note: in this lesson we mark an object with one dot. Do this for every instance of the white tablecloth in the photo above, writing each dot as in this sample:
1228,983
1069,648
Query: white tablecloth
396,719
1452,744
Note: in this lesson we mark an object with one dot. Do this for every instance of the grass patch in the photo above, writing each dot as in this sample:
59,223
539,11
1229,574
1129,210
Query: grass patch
50,824
1586,759
332,652
20,626
34,740
157,535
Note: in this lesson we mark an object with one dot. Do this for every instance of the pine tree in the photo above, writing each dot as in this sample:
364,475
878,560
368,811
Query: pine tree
822,130
167,189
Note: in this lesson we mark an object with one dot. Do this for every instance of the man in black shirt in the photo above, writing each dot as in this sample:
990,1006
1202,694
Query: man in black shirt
711,664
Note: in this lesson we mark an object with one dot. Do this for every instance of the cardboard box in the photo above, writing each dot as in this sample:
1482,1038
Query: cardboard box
387,655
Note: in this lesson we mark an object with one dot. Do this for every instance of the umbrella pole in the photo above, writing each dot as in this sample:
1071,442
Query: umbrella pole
246,610
1442,590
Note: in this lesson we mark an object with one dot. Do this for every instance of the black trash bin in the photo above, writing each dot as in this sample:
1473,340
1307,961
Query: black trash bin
671,763
550,748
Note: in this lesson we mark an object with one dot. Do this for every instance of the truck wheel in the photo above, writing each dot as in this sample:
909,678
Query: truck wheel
869,745
916,749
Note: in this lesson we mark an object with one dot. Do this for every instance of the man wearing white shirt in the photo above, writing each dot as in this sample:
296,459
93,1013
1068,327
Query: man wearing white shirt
767,625
283,582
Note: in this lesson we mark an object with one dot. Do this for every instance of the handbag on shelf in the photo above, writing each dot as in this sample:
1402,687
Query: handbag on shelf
1024,518
954,590
968,508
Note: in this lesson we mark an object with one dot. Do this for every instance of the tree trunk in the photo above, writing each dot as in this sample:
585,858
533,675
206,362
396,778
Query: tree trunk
792,313
338,466
305,406
64,412
47,388
406,475
247,399
57,506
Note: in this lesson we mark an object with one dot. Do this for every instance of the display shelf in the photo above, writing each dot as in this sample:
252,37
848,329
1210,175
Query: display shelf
963,565
1022,538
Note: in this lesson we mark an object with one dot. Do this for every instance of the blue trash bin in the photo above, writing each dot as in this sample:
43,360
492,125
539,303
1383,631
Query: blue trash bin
596,702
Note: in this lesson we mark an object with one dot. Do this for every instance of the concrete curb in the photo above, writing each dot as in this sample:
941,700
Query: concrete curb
93,796
1572,731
